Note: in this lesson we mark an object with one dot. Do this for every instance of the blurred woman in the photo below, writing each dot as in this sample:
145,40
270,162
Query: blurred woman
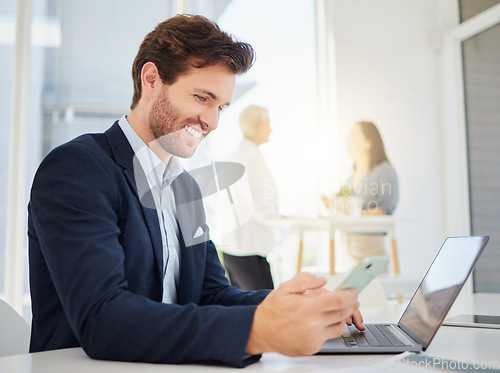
375,182
374,179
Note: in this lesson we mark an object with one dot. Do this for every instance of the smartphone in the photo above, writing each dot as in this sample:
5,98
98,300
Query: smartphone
364,273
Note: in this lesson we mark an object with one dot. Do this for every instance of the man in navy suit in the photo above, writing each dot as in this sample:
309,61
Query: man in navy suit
121,262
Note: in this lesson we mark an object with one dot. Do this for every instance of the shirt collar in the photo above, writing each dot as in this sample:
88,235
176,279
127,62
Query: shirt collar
156,172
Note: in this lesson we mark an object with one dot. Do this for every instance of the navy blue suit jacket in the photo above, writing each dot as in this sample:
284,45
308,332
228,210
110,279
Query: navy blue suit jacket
95,258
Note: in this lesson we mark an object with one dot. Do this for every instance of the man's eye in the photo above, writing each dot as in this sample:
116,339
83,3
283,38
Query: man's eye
201,98
221,108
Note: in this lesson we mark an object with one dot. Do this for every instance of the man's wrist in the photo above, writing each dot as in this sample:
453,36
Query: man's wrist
256,344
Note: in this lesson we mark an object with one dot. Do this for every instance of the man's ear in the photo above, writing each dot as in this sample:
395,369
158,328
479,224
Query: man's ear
149,78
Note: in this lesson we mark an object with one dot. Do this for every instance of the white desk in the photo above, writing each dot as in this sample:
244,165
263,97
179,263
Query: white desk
463,344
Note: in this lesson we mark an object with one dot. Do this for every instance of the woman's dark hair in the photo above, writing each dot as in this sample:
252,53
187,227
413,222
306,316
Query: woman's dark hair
187,41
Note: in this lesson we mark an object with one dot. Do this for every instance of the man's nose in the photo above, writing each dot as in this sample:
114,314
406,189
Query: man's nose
210,119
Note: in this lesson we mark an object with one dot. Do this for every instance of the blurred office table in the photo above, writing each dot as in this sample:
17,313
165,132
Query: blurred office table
471,345
348,224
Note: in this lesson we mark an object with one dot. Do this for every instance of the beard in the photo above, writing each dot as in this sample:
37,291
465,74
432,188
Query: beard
168,128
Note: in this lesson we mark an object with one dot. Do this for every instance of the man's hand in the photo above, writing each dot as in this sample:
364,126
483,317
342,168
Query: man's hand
356,319
298,317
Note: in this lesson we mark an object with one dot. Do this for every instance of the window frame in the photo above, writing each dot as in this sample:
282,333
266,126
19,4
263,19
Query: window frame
16,253
455,145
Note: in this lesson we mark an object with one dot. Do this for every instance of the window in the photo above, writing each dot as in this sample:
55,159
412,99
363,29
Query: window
7,39
87,80
471,8
482,94
283,79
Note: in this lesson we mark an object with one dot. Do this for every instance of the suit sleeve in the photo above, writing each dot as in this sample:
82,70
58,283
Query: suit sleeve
75,207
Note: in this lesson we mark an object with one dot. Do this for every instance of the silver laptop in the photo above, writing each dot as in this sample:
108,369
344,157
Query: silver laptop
427,309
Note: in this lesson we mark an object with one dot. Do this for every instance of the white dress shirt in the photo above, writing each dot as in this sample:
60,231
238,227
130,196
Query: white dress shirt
159,178
256,236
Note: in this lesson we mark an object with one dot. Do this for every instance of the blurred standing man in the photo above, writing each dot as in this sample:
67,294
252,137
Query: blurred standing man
121,263
245,255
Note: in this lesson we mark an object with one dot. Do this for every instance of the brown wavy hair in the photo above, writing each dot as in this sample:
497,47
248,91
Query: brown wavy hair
377,150
187,41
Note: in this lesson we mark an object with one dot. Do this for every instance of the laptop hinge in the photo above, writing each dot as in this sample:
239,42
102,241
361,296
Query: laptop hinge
402,337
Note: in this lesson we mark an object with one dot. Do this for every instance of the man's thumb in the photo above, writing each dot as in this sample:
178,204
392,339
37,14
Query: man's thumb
302,282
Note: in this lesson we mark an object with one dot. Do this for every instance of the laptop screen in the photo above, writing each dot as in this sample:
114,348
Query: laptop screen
441,286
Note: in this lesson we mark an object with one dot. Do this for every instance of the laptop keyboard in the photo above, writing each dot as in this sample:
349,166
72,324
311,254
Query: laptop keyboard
372,336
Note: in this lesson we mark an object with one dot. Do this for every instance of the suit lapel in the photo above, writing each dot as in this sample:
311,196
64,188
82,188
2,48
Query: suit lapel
124,157
190,210
193,236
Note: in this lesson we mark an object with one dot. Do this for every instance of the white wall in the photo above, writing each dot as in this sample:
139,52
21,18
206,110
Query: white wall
388,66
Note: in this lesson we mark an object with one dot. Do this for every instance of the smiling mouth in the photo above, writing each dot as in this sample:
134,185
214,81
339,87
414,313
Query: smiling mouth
193,132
